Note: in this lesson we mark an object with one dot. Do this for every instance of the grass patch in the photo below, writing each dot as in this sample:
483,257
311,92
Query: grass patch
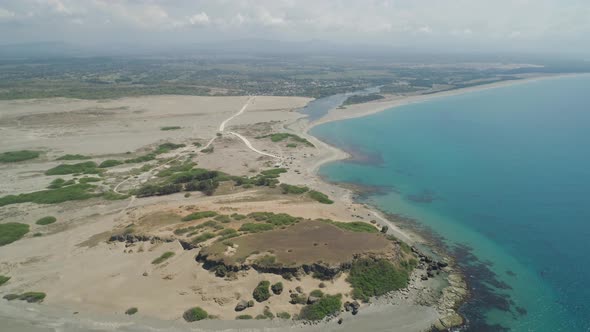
256,227
238,217
199,215
12,231
222,218
274,172
202,238
168,128
279,137
113,196
167,147
370,277
3,279
320,197
328,305
46,221
290,189
316,293
59,182
88,167
110,163
243,317
74,157
355,226
131,311
16,156
141,159
262,292
185,167
163,257
53,196
195,314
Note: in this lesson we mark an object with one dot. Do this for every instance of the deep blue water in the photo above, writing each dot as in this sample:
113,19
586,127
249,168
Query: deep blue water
504,176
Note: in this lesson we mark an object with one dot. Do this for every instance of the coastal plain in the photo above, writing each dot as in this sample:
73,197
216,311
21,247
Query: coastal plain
99,257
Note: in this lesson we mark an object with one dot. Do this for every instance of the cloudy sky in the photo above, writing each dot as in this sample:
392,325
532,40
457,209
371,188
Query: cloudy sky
518,25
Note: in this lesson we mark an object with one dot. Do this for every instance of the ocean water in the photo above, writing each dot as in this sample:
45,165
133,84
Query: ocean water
503,175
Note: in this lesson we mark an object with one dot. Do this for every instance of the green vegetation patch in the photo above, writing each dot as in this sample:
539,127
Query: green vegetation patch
167,128
16,156
284,315
370,277
202,238
59,182
320,197
88,167
32,297
163,257
53,196
355,226
328,305
279,137
244,317
141,159
110,163
316,293
167,147
12,231
262,292
3,279
89,180
131,311
73,157
277,288
362,99
291,189
199,215
195,314
46,221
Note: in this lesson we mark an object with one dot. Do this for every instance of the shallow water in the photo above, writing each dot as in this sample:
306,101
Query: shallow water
504,176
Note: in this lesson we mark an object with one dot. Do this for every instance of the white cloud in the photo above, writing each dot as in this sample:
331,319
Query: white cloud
6,14
199,19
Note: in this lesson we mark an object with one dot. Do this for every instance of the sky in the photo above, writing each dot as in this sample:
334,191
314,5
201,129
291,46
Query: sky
507,25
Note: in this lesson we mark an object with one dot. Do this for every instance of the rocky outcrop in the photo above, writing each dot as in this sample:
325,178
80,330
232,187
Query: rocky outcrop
352,307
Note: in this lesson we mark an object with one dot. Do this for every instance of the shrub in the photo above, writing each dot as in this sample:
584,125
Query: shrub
277,288
278,137
167,128
290,189
155,190
131,311
53,196
46,220
298,299
238,217
3,279
15,156
167,147
320,197
59,182
370,277
199,215
256,227
163,257
267,313
261,292
316,293
73,157
32,297
195,314
110,163
244,317
326,306
113,196
12,231
88,167
284,315
274,172
141,159
210,149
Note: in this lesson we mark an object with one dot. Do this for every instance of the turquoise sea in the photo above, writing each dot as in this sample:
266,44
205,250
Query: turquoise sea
503,176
